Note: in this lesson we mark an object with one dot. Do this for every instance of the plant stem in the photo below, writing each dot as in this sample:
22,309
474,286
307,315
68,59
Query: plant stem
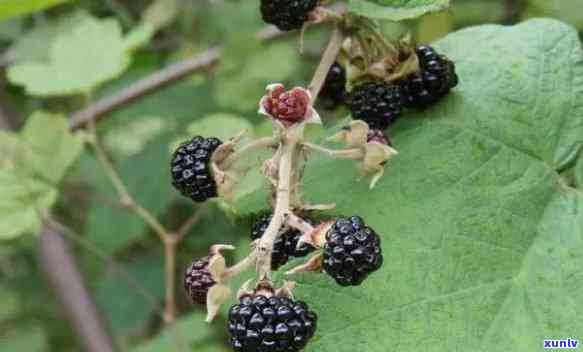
282,203
241,266
170,276
353,154
328,59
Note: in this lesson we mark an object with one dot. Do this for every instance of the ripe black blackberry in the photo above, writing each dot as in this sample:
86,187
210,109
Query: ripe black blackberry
198,280
377,103
190,169
270,324
352,251
333,91
434,80
285,245
287,14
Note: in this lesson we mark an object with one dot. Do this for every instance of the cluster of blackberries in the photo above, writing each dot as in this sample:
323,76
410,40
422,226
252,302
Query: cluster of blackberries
270,324
379,104
285,246
287,14
191,174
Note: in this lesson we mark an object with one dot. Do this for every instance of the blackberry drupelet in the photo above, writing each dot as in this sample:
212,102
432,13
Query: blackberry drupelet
435,79
333,92
198,280
377,104
284,247
270,324
190,169
287,14
352,251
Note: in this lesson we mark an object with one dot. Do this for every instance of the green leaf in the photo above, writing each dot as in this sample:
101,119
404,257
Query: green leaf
126,308
564,10
190,333
11,8
396,10
480,236
92,52
53,147
35,44
31,339
31,166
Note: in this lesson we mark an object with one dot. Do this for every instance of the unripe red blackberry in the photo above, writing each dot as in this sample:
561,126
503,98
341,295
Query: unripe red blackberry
377,103
435,79
191,174
198,280
333,91
287,14
270,324
285,245
352,251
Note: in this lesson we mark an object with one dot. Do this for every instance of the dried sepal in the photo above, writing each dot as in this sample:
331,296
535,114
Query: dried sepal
216,296
375,157
286,290
353,136
315,265
316,237
245,289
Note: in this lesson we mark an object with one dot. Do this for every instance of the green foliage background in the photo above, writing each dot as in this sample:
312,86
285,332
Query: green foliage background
482,233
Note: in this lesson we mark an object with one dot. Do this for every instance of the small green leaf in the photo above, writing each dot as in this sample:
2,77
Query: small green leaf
31,166
22,203
396,10
92,52
35,44
53,147
11,8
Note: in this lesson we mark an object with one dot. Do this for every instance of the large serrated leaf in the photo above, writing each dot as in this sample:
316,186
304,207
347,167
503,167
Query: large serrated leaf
482,239
396,10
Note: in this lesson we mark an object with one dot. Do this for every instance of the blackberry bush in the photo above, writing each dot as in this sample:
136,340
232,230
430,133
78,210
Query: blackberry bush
191,174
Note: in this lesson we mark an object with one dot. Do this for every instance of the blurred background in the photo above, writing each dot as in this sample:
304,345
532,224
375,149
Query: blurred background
120,258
